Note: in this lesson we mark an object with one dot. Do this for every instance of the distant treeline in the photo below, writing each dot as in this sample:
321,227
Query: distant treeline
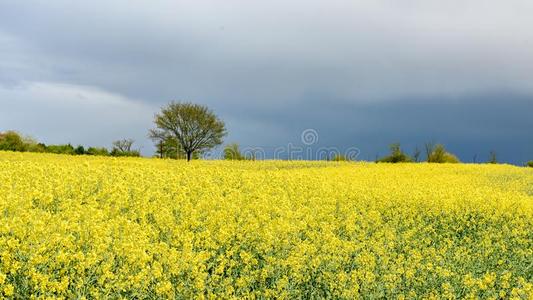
13,141
434,153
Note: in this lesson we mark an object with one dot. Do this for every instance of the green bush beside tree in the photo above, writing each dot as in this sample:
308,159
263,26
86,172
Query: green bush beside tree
396,155
438,154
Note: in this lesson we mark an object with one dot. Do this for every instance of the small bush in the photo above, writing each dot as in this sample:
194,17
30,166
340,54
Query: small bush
97,151
440,155
530,164
37,147
61,149
12,141
80,150
396,155
232,152
131,153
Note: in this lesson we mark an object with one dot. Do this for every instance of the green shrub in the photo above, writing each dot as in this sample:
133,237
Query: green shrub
101,151
530,163
80,150
60,149
440,155
132,153
12,141
232,152
37,147
396,155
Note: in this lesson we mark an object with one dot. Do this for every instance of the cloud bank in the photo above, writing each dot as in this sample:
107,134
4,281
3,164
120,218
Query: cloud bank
362,73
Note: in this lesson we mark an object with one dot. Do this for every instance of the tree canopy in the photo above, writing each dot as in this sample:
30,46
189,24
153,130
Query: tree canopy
194,127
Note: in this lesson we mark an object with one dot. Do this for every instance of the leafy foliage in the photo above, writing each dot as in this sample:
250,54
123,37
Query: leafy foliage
232,152
439,154
12,141
80,150
396,155
171,148
100,151
195,127
60,149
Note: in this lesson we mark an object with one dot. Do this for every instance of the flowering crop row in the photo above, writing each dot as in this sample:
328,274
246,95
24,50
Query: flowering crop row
91,227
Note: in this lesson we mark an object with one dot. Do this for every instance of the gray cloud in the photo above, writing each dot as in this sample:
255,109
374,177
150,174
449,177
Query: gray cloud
370,71
66,113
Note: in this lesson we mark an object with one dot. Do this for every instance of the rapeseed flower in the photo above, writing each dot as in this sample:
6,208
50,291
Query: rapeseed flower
96,227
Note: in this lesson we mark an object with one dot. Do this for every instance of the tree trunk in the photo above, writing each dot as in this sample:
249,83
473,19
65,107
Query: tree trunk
189,155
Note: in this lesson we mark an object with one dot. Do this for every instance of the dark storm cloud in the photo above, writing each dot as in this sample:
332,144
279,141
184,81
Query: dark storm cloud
469,127
373,72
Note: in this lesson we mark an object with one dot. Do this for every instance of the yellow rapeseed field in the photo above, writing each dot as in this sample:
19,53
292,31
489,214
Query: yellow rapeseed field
94,227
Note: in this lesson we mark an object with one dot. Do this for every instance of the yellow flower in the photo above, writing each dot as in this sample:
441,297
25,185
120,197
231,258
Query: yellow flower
98,227
9,290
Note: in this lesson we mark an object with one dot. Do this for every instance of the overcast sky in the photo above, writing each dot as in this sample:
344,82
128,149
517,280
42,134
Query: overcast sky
361,73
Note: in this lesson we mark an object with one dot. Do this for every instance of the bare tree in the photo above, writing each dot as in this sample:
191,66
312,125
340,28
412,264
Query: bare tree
493,159
123,145
416,155
430,147
124,148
